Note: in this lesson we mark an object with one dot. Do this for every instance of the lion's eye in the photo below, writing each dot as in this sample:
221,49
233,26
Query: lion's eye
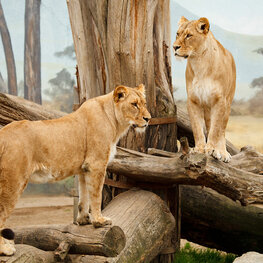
189,35
135,104
177,34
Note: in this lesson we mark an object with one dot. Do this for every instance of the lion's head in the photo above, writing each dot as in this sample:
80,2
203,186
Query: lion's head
130,106
190,37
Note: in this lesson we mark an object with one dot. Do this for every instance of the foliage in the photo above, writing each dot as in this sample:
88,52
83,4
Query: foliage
68,51
259,51
191,255
61,91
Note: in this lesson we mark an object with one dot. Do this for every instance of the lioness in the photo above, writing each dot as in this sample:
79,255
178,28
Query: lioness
80,143
210,83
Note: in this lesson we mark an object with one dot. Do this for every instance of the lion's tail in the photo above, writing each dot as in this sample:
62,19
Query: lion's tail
8,233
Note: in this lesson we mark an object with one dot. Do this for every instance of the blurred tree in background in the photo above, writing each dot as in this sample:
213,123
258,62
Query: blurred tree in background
61,91
255,103
9,55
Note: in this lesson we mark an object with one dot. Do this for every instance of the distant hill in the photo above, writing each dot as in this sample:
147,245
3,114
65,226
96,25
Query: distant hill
249,64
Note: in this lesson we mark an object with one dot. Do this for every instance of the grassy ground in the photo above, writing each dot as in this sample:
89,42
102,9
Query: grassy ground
245,130
189,254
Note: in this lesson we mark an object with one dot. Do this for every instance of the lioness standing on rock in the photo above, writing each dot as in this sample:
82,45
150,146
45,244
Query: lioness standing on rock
210,83
80,143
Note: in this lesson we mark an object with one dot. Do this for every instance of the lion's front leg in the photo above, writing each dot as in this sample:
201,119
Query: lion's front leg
96,181
196,114
216,143
83,217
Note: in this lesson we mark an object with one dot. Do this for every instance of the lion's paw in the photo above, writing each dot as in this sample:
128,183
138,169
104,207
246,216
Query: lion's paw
101,221
198,149
7,249
83,219
222,155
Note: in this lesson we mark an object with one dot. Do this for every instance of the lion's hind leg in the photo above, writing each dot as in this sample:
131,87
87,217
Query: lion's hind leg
7,242
83,206
10,189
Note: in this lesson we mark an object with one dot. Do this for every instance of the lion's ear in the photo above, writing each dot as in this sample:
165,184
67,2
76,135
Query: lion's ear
182,20
141,88
120,93
203,25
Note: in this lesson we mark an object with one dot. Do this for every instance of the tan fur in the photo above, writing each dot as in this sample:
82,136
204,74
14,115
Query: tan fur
210,82
78,143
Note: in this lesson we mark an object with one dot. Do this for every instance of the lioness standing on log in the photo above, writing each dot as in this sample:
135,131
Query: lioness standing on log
80,143
210,83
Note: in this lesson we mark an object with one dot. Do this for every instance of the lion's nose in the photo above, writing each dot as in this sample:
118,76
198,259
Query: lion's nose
176,47
146,119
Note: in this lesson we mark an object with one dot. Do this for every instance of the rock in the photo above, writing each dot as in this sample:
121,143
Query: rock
250,257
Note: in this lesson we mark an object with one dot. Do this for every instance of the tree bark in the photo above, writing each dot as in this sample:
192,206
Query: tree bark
127,42
9,55
32,60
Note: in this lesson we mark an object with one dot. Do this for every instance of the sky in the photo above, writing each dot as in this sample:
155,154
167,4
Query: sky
240,16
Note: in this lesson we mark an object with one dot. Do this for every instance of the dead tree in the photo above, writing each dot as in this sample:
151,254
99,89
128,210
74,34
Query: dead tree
9,55
32,57
127,42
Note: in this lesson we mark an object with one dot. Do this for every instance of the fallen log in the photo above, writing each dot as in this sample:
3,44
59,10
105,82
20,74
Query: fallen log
214,221
13,108
107,241
146,221
87,259
26,254
196,169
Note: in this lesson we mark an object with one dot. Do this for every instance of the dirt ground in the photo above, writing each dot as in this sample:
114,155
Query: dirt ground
42,210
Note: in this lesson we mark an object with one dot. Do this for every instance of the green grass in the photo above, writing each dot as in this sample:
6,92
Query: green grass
192,255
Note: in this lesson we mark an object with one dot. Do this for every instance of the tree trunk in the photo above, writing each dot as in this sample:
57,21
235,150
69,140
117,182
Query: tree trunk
32,60
9,55
128,42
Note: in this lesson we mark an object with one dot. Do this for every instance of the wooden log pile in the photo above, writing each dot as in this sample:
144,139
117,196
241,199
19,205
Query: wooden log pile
142,228
240,180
